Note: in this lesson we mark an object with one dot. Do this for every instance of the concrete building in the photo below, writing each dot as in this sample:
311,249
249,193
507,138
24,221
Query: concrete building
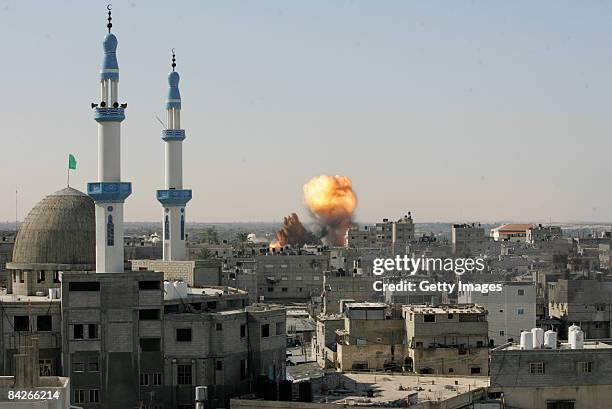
543,233
582,302
467,239
370,339
510,311
447,340
286,277
394,234
173,197
340,285
511,232
560,378
196,273
324,344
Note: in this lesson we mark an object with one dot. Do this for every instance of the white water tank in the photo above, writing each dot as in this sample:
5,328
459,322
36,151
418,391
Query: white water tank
181,289
538,337
572,327
526,340
576,339
550,339
169,291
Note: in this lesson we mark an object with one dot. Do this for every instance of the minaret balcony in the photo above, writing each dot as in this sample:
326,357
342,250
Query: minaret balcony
173,134
174,197
109,114
109,192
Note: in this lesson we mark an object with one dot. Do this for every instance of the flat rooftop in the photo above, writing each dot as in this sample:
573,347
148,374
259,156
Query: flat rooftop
394,387
366,305
445,309
564,346
14,298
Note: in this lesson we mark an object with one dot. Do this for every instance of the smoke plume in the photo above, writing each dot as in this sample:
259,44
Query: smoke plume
294,233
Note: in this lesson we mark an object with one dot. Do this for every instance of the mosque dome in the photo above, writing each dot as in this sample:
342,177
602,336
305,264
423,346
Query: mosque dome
60,229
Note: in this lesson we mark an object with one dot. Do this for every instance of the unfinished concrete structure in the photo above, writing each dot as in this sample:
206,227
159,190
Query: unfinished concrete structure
447,339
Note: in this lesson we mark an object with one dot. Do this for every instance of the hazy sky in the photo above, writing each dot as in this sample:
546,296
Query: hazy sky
456,110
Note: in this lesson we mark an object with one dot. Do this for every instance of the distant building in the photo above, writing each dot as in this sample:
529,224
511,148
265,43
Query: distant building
582,302
340,285
510,311
467,239
543,233
560,378
511,232
394,234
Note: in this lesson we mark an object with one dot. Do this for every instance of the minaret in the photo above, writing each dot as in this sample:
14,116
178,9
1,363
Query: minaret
109,192
173,197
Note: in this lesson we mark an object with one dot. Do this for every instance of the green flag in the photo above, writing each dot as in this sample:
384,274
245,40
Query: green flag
71,161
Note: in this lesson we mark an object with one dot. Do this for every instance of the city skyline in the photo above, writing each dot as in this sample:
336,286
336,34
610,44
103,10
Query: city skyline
275,94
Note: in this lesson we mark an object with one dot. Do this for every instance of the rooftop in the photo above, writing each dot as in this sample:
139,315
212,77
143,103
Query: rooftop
445,309
366,305
565,346
395,387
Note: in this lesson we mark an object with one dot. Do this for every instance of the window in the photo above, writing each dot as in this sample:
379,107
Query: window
585,367
166,228
284,289
242,330
79,396
429,318
93,364
41,277
78,367
84,286
56,279
183,374
211,305
600,307
92,331
243,369
520,311
110,231
475,370
280,328
149,315
502,333
219,365
46,367
521,292
270,289
78,331
43,323
560,404
149,285
298,278
219,326
94,396
265,330
182,227
157,379
299,289
144,379
536,367
150,344
183,335
21,323
450,316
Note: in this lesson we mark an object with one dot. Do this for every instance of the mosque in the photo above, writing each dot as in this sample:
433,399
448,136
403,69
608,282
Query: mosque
129,339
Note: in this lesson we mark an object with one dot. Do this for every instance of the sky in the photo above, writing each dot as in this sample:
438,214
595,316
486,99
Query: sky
457,110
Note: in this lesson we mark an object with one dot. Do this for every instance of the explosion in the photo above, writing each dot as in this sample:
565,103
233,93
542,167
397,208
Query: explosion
331,201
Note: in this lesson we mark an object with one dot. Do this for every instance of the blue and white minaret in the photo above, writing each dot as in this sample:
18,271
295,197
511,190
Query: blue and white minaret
109,192
173,197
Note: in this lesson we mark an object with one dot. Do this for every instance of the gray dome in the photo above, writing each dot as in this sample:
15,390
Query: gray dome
60,229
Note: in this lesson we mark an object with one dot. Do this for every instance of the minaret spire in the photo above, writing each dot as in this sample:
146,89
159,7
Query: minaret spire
173,197
109,192
110,18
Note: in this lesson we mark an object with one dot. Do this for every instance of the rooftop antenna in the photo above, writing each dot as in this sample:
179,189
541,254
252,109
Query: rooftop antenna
110,18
